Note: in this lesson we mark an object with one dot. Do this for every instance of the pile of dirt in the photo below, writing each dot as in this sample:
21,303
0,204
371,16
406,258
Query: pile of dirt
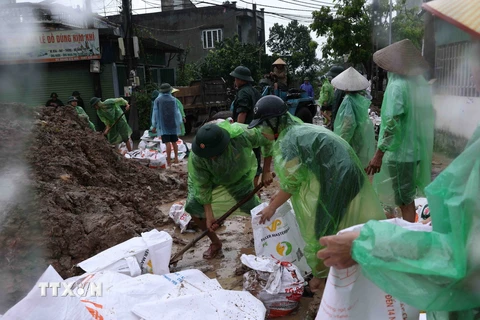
67,195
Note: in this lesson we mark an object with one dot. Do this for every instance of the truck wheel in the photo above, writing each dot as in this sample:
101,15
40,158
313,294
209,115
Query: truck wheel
188,125
305,115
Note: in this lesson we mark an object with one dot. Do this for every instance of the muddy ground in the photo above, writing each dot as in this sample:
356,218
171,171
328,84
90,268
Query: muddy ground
66,194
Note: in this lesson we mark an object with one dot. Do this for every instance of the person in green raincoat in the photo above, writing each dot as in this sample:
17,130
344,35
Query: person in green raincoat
321,174
182,112
326,99
437,271
109,111
220,174
73,101
352,122
403,159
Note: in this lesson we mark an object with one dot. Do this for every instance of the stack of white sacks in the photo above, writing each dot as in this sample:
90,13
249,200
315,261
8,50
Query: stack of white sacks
132,281
153,149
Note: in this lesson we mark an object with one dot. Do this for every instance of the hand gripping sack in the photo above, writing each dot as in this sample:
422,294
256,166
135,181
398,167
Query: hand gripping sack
350,295
280,238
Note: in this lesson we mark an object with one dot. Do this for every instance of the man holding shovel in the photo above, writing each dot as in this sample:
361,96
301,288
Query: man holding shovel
220,174
117,129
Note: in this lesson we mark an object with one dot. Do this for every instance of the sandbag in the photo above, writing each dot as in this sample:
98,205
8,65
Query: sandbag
350,295
149,253
281,238
277,284
34,306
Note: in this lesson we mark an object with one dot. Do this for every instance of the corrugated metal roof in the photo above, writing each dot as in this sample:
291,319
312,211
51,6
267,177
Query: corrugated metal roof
465,14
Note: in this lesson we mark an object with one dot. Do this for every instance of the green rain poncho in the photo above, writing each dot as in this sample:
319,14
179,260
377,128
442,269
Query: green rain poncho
406,137
109,112
228,178
330,190
182,112
83,114
439,270
326,94
354,126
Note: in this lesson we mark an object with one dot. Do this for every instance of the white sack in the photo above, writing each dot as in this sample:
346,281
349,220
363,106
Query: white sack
279,238
149,253
350,295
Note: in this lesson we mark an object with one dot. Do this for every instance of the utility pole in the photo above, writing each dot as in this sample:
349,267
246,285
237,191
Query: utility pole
131,65
128,32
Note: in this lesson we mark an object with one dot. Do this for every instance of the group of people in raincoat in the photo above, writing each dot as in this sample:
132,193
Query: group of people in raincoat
324,175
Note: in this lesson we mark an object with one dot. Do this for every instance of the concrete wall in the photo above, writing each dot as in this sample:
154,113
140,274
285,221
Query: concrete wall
456,118
183,28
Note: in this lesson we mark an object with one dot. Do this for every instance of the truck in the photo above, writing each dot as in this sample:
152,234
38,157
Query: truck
202,100
298,102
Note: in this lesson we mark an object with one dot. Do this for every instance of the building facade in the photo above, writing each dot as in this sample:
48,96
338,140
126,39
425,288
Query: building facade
455,100
196,30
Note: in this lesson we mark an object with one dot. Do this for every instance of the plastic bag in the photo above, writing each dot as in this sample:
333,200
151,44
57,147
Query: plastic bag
438,271
149,253
354,126
350,295
330,190
422,211
281,239
406,137
34,306
278,285
179,216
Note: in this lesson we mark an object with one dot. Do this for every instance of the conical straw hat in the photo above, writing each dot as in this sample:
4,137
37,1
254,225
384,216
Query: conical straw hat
464,14
350,80
402,58
279,61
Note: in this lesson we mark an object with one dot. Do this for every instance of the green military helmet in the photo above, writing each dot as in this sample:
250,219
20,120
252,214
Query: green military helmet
94,101
72,98
306,79
267,107
155,94
335,71
242,73
165,88
210,141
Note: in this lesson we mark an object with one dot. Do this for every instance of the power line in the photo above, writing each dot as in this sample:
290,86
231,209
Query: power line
267,6
302,5
176,30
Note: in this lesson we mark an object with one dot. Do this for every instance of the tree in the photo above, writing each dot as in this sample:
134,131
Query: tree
350,29
295,44
229,54
348,32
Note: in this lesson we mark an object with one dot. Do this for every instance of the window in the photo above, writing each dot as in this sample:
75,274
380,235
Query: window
452,70
210,37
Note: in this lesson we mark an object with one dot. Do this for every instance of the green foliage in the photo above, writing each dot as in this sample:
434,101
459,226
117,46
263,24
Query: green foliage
229,54
143,102
349,31
187,73
295,45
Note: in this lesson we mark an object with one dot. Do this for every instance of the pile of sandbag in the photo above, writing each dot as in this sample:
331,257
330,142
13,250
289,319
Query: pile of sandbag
132,281
152,148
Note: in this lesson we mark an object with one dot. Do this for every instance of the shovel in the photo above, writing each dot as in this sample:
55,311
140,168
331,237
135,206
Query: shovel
178,256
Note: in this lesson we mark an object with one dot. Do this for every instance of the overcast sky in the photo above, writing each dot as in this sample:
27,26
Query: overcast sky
289,9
